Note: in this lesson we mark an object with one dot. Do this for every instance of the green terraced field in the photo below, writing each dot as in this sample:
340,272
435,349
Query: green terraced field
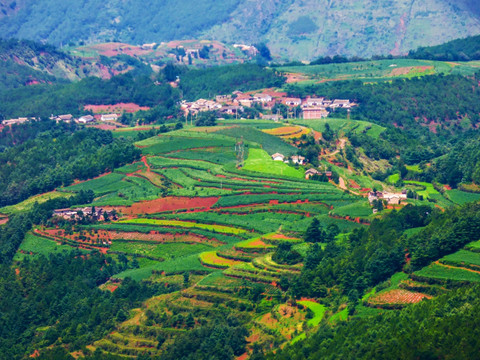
462,197
185,224
444,273
462,257
258,160
41,246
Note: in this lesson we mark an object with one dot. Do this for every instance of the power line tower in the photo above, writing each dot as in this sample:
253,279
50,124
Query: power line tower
240,151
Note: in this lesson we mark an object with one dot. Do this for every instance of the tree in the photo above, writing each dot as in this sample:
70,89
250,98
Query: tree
314,232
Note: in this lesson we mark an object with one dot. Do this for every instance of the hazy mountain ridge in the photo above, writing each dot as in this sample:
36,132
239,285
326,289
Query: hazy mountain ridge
299,30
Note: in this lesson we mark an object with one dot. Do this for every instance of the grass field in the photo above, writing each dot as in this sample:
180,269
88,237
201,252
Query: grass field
317,309
167,251
258,160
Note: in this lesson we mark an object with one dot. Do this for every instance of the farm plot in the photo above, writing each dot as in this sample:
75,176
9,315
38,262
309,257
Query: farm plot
211,259
185,224
397,297
463,258
254,245
442,272
173,142
284,319
168,204
102,185
344,126
36,245
167,251
358,209
219,155
262,222
460,197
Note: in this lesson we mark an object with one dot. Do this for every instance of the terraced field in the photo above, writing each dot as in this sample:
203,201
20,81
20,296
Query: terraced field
189,217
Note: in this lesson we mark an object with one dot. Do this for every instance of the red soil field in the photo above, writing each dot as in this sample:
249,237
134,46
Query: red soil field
103,126
3,220
167,204
116,108
399,296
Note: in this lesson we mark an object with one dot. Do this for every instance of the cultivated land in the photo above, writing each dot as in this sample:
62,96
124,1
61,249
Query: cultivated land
188,215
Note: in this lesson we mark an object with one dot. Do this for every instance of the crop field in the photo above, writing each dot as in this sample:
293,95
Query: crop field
397,296
253,245
462,258
186,225
36,245
211,258
258,160
168,251
358,209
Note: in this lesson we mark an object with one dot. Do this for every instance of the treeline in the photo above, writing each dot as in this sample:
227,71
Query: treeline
206,83
444,328
57,157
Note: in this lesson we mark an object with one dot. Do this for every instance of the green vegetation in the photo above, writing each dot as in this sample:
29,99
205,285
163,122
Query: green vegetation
317,309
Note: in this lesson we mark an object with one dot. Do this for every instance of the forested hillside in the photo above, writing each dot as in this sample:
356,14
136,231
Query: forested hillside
295,30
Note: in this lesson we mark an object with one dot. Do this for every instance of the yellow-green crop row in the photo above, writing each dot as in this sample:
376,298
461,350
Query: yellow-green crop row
186,224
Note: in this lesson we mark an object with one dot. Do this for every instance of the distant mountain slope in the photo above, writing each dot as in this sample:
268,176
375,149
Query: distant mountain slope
293,29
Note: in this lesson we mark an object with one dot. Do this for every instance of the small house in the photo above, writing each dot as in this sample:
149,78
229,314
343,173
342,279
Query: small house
109,117
292,101
86,119
314,113
310,172
296,159
278,157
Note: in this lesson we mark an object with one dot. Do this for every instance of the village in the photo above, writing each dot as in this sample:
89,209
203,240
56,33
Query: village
67,118
235,104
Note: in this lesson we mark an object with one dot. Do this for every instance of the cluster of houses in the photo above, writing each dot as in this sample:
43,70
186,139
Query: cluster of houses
311,108
390,198
75,214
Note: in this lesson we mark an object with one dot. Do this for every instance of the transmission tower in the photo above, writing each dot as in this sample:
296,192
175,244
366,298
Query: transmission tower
240,151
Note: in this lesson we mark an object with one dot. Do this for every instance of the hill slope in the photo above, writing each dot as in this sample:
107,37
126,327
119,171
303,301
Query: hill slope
301,30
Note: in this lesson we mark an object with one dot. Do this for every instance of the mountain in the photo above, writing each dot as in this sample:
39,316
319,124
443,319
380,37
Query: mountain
292,29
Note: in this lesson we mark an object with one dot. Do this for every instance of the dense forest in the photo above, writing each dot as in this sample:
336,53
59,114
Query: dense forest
57,157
